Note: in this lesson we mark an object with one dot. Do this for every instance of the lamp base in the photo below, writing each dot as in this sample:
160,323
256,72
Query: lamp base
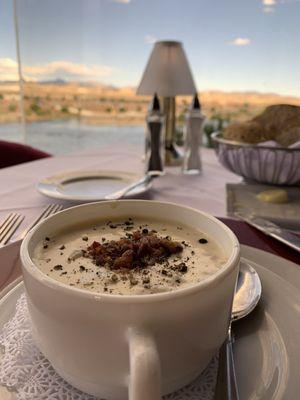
173,157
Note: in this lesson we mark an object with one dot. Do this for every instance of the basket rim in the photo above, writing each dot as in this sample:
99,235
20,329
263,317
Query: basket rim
218,138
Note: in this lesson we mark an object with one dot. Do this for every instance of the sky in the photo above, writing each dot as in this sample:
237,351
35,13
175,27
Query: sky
232,45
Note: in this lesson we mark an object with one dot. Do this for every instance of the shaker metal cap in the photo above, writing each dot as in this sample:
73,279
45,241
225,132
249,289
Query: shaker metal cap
196,103
155,104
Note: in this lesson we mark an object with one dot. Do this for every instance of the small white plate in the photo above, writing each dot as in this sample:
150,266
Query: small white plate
86,186
267,349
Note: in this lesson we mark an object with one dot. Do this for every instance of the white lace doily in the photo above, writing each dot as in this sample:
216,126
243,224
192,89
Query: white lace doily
26,371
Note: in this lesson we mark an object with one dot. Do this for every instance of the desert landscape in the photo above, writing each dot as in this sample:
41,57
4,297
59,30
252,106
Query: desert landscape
93,103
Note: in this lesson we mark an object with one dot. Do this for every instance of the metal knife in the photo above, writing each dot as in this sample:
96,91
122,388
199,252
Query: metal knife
271,229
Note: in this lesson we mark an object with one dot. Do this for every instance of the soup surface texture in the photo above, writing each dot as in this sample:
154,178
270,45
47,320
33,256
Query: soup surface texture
129,256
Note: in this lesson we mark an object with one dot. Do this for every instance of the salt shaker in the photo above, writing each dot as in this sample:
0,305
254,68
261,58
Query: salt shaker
193,139
155,146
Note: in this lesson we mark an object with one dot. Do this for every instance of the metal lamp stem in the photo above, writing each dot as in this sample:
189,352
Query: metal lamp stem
172,156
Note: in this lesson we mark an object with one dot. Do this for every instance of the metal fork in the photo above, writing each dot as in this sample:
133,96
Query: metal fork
49,210
9,226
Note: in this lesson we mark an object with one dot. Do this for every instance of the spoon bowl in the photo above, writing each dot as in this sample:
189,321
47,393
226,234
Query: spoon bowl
247,292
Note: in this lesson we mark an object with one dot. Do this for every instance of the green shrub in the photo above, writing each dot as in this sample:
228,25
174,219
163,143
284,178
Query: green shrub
36,108
209,129
181,118
179,136
12,108
65,110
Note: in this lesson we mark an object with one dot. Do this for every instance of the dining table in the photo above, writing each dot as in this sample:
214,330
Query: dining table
205,192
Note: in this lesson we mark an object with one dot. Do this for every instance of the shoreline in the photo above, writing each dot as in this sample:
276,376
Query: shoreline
84,121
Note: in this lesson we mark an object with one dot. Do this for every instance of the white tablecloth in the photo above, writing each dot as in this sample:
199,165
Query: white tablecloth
206,192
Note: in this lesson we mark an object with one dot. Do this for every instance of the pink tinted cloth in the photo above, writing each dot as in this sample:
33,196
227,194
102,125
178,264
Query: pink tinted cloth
16,153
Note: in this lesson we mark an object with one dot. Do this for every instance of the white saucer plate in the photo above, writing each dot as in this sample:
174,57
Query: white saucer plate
267,346
86,186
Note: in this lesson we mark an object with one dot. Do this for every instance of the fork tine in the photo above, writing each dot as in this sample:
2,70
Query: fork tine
12,228
57,208
7,224
35,222
3,222
43,214
6,221
54,210
17,223
49,210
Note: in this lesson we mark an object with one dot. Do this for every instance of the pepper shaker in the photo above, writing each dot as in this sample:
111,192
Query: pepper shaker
193,139
155,146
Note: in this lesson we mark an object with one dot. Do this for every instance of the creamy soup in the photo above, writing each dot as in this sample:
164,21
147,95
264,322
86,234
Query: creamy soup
129,256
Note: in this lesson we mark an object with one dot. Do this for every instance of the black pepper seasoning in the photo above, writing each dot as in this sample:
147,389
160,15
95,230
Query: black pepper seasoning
182,268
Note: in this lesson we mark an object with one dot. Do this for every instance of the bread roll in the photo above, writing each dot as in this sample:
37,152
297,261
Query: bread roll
286,138
280,122
247,132
279,118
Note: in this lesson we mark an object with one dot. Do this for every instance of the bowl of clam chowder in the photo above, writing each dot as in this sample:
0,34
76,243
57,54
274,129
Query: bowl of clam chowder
130,298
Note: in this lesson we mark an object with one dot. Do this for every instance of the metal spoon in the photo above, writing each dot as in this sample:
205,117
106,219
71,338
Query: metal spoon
145,180
247,295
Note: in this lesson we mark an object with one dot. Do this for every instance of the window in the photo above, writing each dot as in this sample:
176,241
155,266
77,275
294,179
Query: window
82,60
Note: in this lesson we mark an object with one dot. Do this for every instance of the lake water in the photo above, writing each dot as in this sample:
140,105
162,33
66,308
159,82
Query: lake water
59,137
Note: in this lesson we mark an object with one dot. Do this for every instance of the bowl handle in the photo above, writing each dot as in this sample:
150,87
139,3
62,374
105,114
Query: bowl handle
145,371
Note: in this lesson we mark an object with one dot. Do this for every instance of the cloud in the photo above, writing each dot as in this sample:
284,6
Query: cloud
269,2
240,42
150,39
121,1
8,69
53,70
67,69
269,6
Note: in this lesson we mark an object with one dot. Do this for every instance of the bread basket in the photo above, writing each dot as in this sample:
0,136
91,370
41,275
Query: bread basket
259,163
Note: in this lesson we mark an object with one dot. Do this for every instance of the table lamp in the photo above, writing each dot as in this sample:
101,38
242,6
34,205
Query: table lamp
168,74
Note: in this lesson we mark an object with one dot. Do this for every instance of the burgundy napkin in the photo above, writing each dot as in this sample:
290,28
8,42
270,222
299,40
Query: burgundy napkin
17,153
250,236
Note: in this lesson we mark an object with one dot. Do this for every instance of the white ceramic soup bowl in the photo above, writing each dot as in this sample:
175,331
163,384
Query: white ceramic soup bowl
153,344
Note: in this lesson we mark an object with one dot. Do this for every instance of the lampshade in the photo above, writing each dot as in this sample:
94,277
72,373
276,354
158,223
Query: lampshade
167,72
